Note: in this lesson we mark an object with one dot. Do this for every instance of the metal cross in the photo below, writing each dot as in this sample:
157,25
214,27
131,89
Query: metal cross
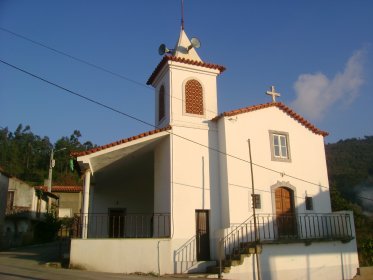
273,93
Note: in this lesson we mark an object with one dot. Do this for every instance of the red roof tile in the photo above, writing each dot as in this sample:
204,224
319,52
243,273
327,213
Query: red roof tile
91,151
71,189
282,107
182,60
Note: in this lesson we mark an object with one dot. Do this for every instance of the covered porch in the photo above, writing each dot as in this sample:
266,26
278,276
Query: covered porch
126,189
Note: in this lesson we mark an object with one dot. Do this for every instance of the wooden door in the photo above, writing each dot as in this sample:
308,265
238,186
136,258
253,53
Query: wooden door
285,216
202,235
116,223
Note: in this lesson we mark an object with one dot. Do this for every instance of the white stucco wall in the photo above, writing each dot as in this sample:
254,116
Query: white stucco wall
195,183
122,255
23,193
333,260
162,177
307,162
124,186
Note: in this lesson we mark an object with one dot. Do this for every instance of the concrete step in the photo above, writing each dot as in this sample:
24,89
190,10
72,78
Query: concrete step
364,273
216,269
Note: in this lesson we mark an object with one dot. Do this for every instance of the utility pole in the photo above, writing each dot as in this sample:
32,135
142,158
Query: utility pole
253,199
51,165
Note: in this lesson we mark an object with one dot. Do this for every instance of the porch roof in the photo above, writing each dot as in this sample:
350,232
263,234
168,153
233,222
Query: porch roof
100,157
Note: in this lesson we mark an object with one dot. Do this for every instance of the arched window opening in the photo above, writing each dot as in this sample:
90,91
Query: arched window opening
161,104
194,98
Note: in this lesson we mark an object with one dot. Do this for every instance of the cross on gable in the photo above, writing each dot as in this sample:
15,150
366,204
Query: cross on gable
273,93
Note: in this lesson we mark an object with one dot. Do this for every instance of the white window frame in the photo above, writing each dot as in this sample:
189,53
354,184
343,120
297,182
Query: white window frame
280,151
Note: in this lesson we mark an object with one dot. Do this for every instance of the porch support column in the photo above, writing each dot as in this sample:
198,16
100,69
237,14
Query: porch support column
87,184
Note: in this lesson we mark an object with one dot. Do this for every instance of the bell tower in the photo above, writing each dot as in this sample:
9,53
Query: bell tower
185,86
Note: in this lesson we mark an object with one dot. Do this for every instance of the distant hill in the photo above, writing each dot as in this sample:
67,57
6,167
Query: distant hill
26,156
350,168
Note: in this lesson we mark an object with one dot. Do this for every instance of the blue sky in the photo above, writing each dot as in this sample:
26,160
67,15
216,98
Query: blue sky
318,54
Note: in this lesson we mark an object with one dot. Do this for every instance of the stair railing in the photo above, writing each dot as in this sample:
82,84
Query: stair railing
233,239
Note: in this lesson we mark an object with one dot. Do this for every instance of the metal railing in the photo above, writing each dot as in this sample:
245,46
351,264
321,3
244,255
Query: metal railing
287,228
131,225
187,252
186,255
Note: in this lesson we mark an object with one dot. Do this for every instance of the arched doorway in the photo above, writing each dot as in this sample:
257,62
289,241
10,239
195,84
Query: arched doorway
285,214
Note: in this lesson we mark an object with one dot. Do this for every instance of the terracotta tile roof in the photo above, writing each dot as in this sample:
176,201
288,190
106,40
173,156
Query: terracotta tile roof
282,107
91,151
71,189
182,60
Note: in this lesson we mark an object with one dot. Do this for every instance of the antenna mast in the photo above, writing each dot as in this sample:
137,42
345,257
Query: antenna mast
182,14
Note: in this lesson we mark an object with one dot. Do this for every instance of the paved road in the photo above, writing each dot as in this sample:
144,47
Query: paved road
30,263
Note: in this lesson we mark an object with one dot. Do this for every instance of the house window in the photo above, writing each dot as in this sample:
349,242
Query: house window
161,103
279,146
193,98
309,203
256,201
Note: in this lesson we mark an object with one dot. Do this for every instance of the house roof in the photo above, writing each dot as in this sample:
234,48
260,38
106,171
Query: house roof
100,148
45,192
280,106
167,58
67,189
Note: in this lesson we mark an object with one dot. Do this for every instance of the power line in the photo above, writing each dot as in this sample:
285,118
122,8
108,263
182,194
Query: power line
149,124
101,68
76,94
248,188
154,126
76,58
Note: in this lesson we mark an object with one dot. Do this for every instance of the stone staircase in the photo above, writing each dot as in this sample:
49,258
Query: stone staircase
235,258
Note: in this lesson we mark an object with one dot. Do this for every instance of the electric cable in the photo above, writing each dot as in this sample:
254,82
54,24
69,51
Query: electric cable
101,68
156,127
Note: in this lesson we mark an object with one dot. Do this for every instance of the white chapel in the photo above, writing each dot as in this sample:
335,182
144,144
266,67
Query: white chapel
242,194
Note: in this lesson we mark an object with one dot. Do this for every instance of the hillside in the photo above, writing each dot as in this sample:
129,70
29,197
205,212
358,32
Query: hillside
350,168
26,156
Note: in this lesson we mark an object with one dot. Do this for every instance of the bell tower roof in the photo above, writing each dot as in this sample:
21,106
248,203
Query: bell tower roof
185,53
184,48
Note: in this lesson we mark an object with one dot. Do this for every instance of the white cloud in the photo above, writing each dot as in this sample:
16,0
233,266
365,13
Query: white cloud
316,93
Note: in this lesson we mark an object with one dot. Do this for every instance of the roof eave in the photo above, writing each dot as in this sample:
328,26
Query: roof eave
280,106
167,58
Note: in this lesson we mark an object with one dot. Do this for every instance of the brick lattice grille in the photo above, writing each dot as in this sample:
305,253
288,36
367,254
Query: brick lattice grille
161,111
193,98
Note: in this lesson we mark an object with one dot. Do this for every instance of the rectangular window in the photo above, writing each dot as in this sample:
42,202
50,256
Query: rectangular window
279,146
309,203
256,201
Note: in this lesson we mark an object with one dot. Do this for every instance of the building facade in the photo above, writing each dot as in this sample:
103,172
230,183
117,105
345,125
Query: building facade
205,191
